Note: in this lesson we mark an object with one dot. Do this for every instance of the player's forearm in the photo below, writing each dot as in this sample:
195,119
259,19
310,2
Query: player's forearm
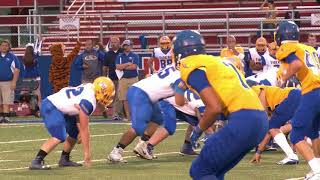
85,137
131,67
209,117
121,66
263,143
293,68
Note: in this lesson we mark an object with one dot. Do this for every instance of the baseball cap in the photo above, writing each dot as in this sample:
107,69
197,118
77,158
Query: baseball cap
126,42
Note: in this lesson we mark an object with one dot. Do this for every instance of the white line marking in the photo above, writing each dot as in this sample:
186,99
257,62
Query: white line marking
37,140
19,126
7,151
299,178
96,160
7,160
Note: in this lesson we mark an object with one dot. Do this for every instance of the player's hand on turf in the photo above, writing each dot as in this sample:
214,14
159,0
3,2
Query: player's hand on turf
195,135
256,158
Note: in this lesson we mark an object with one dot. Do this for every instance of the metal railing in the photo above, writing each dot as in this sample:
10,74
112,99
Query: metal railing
166,23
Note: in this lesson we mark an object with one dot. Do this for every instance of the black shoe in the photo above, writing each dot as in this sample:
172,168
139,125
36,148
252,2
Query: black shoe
5,120
66,162
38,164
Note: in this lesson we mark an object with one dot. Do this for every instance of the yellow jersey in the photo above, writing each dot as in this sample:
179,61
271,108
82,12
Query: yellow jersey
274,95
234,59
308,74
226,52
225,79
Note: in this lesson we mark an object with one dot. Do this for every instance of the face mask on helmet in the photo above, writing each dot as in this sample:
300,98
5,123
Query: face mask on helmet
104,90
165,42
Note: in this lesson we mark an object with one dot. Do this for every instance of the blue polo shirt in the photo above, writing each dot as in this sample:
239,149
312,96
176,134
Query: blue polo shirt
33,70
7,65
131,57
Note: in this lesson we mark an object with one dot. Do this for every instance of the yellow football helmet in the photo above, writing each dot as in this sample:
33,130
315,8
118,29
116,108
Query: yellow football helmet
165,42
104,90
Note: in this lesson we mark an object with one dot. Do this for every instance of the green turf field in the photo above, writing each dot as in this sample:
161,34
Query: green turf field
16,152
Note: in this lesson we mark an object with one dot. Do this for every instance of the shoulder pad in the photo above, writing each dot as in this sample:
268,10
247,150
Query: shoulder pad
285,50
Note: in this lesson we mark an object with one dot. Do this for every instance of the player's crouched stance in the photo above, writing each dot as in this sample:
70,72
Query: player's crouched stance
67,112
223,90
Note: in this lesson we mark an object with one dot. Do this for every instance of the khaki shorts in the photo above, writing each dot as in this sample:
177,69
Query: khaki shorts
124,85
6,94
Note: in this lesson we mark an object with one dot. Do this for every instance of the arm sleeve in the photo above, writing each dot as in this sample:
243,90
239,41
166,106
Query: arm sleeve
136,60
106,60
292,57
17,63
118,59
198,80
79,62
86,107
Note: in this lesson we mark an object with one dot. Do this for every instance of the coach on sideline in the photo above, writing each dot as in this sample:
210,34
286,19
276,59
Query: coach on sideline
9,74
127,63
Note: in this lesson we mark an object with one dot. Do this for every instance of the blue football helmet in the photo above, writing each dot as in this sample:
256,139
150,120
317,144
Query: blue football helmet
186,43
287,30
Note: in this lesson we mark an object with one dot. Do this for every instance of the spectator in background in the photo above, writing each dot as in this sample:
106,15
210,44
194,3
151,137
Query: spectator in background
255,60
90,62
9,74
292,13
128,63
31,75
312,41
271,17
109,68
232,51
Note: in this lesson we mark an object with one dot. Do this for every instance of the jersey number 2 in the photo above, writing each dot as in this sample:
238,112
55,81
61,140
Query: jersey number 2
74,91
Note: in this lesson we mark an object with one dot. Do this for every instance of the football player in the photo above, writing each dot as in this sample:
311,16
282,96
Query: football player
163,54
282,103
256,62
66,114
143,98
302,61
222,89
171,112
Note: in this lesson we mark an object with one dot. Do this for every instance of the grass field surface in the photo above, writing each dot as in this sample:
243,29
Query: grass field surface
19,143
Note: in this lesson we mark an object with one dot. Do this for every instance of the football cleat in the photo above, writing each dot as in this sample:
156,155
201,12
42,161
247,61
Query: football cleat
116,155
312,176
187,149
288,161
143,150
66,162
38,164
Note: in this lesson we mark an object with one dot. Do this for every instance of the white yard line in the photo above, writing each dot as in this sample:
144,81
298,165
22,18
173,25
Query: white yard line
299,178
8,160
19,126
7,151
37,140
95,160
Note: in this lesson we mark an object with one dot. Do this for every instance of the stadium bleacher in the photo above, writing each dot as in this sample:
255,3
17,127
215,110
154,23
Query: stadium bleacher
130,19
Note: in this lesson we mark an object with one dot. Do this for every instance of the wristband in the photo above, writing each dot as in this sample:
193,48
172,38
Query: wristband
258,151
179,90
